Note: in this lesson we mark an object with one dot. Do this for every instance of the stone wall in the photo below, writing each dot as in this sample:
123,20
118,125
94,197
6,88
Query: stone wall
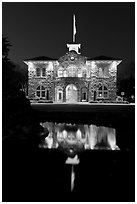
91,82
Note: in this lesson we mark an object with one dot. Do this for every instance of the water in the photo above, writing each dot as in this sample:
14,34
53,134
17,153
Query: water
76,137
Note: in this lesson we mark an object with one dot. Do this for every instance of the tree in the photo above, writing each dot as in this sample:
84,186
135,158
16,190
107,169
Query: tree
14,78
5,47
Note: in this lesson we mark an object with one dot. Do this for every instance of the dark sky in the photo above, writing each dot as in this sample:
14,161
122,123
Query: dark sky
44,29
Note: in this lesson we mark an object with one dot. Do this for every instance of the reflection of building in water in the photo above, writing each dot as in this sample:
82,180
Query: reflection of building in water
90,136
72,77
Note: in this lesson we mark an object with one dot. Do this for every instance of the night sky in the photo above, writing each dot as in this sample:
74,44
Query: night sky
44,29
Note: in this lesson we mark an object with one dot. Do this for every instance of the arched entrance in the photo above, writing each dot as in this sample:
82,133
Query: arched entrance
71,93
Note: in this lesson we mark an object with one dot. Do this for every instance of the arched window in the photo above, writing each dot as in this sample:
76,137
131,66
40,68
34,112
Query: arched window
102,92
40,92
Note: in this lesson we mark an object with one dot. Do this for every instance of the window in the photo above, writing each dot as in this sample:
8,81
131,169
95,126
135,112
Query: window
84,94
43,72
100,72
72,71
100,93
60,73
103,92
38,72
106,72
103,72
47,95
40,92
60,95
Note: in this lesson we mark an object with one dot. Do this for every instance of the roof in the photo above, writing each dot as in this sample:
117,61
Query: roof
102,57
40,58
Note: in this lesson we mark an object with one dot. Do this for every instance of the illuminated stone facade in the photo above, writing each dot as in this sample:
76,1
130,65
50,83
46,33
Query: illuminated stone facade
72,78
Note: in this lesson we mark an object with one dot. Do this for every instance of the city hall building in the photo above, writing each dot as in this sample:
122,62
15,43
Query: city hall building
73,77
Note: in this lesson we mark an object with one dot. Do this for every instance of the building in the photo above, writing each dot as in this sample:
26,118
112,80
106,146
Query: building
73,77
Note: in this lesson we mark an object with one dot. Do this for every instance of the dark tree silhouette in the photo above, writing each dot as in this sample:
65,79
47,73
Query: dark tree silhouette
14,78
5,47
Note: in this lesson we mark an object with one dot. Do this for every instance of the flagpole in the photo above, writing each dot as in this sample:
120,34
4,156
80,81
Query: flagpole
74,28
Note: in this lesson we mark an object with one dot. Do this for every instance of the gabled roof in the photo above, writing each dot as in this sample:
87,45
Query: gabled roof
40,58
102,57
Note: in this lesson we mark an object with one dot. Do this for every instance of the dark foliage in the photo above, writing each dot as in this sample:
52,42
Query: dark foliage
128,87
14,79
5,47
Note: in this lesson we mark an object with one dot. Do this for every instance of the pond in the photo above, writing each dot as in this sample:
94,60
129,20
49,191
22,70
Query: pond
73,138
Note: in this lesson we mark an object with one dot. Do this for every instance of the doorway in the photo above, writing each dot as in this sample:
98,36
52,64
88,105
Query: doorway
71,94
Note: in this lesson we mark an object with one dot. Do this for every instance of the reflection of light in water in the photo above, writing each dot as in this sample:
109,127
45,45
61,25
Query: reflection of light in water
49,141
78,134
72,178
91,136
112,138
72,162
64,133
